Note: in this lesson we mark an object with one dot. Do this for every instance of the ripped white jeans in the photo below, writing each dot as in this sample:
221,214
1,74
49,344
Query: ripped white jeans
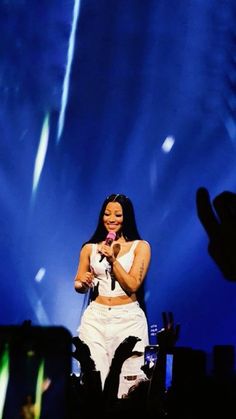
104,327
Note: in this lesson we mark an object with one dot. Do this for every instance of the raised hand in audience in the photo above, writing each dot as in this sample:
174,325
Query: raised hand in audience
219,221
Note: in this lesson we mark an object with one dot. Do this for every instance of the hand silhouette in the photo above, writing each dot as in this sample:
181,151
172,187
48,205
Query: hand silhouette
82,354
169,334
125,349
219,222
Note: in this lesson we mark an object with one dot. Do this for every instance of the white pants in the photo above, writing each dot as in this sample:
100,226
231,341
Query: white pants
103,328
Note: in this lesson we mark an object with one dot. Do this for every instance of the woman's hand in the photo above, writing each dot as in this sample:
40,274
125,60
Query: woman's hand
87,280
85,283
107,251
110,252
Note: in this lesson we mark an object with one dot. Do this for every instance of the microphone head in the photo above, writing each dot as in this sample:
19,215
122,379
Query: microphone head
111,235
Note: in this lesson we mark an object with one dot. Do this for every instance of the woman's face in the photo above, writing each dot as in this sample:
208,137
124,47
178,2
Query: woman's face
113,217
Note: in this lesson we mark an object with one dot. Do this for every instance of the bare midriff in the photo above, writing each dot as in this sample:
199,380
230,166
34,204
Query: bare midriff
114,301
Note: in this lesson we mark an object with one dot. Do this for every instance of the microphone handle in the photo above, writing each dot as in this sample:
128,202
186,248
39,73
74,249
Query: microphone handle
108,242
101,258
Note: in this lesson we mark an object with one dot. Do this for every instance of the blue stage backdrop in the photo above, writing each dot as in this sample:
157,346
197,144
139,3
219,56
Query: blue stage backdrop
115,96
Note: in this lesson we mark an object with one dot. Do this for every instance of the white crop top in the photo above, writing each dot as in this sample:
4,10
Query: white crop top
107,285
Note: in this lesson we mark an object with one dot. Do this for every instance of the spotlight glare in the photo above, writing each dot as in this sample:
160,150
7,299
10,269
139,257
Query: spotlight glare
168,144
40,274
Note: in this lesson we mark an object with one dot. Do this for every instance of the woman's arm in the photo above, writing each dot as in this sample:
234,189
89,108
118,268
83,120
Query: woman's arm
131,281
84,277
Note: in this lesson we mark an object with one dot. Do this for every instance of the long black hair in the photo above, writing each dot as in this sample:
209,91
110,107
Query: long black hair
129,230
129,226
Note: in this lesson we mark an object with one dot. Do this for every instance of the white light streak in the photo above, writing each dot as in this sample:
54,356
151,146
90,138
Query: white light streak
41,153
40,274
65,88
168,144
41,313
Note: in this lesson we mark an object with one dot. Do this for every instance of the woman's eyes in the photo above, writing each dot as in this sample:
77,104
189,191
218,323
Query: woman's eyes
116,215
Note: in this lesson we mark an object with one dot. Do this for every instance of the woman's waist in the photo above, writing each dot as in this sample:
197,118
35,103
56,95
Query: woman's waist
117,300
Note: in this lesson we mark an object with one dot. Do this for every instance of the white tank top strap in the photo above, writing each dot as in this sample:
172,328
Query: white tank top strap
134,245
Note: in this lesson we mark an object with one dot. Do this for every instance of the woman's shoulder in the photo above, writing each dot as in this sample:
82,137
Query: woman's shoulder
86,248
143,244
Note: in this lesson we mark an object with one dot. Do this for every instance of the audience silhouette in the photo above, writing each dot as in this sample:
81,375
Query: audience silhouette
86,389
194,389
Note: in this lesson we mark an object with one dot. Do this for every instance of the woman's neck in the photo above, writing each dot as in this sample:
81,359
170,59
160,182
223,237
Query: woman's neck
120,239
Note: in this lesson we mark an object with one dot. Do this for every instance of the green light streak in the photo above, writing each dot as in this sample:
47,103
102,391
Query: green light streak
39,391
4,377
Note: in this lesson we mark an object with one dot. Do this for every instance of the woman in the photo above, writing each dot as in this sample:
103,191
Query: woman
114,272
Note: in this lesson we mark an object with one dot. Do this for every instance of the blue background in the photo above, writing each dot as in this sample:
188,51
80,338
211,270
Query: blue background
113,79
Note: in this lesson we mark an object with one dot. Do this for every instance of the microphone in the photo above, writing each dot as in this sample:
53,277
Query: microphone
109,240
